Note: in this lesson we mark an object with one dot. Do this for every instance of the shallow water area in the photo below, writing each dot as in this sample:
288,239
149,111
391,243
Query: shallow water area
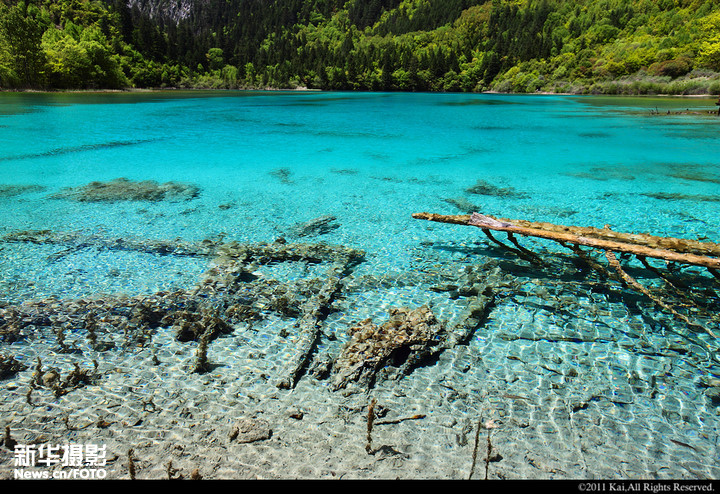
277,223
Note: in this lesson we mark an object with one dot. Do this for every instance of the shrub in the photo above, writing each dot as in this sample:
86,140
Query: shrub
673,68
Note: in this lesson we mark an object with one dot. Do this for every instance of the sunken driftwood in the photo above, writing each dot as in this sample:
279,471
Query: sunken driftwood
415,337
407,338
681,251
309,326
228,293
667,248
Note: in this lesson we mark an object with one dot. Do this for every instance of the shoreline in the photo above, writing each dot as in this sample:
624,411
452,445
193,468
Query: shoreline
709,106
305,89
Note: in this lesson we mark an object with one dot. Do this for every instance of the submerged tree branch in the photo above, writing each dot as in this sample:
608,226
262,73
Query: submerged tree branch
667,248
611,242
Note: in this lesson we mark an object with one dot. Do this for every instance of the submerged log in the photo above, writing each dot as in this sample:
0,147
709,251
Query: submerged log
689,252
666,248
406,339
309,326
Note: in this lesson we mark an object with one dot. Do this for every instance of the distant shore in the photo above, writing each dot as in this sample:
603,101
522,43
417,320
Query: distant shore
304,89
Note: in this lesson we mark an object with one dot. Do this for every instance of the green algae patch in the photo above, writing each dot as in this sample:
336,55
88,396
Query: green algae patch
16,190
484,188
696,177
463,204
123,189
665,196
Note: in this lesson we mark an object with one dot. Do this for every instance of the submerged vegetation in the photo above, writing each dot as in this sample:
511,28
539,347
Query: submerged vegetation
598,46
122,189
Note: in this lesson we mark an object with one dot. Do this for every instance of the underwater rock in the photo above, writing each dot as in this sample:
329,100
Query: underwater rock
250,430
317,226
122,189
405,340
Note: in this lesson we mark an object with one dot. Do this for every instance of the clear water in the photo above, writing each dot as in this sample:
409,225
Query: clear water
369,159
265,161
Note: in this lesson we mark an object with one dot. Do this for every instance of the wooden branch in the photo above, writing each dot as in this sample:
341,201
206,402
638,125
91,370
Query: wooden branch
530,254
592,263
599,239
671,283
606,240
309,326
635,285
670,243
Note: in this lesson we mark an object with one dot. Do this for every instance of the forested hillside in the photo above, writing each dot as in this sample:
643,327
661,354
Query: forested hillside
603,46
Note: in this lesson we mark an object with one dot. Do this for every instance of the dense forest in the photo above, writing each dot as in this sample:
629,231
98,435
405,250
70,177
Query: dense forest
596,46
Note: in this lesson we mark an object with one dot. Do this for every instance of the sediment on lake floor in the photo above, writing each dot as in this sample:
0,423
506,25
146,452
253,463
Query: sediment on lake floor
120,368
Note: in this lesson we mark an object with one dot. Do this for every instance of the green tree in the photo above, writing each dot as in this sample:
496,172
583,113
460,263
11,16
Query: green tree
215,59
709,53
22,26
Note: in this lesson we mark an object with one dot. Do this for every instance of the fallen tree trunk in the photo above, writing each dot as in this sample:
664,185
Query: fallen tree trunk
309,326
596,238
642,246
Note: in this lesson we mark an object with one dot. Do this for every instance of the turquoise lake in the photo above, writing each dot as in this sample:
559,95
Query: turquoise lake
258,164
371,160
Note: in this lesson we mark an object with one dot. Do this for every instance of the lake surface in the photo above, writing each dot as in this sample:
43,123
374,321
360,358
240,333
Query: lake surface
369,159
253,167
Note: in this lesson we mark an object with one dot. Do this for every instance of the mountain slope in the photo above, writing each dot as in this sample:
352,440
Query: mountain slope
625,46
